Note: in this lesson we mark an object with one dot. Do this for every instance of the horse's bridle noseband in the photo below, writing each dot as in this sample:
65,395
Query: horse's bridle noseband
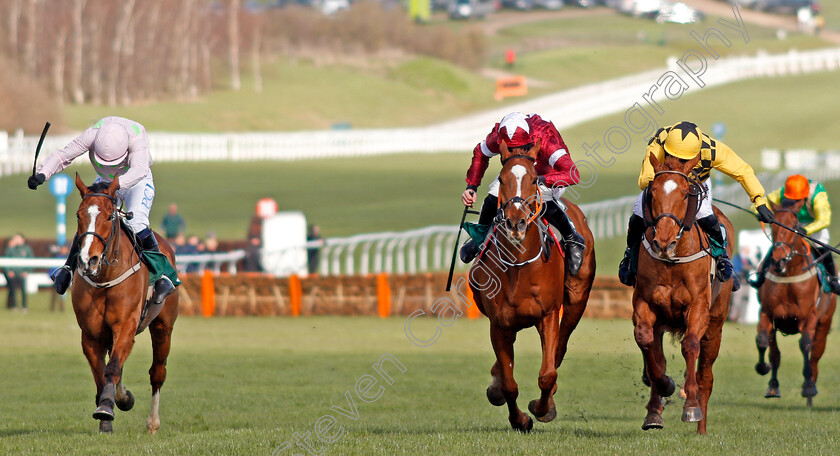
789,248
694,197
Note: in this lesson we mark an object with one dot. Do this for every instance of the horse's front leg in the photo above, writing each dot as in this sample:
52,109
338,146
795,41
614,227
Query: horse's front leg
807,330
709,350
95,353
775,361
819,342
502,340
123,343
762,341
649,339
696,322
543,408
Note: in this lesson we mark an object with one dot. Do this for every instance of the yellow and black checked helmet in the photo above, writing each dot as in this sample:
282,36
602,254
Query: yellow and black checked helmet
683,141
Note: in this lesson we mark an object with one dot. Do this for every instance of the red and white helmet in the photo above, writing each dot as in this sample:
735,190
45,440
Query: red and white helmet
111,144
514,130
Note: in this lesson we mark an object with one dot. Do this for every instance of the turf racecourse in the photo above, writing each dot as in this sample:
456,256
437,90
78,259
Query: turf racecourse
245,385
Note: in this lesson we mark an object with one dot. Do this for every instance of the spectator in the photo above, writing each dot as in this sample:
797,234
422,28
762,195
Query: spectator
16,276
314,252
211,245
251,263
58,251
173,224
179,243
190,248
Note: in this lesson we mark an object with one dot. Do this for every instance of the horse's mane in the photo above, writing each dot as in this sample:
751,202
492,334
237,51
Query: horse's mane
99,187
787,203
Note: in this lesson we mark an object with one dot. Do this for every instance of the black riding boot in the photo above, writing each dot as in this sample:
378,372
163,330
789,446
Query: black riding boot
573,243
635,231
828,262
163,286
488,210
761,273
64,275
711,226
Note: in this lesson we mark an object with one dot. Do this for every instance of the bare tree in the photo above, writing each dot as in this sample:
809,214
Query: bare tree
29,62
12,28
77,94
256,39
120,33
233,43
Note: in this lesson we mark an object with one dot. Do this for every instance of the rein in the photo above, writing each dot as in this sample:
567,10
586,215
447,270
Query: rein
694,198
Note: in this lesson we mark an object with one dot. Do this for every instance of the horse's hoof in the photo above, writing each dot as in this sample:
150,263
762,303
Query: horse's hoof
762,368
548,417
152,425
104,413
692,414
653,421
809,391
669,390
127,402
495,396
772,392
524,427
106,427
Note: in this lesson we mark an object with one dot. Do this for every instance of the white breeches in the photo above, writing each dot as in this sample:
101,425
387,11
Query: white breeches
705,205
138,200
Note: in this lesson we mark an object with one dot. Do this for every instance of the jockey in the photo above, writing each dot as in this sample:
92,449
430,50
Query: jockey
554,166
116,147
685,141
814,218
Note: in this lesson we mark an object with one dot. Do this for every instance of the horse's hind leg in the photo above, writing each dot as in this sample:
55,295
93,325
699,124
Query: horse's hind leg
494,391
655,405
543,408
649,339
502,340
161,332
818,348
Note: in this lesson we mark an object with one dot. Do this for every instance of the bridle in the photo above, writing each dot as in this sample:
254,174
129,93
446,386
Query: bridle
694,197
111,236
789,249
500,212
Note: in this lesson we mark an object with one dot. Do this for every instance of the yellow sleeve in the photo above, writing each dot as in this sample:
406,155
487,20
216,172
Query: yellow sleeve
647,173
729,163
822,214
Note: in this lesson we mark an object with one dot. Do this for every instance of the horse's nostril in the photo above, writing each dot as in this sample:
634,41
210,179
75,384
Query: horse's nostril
521,225
509,225
672,245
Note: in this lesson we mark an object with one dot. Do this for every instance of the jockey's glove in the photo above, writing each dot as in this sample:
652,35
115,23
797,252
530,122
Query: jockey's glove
765,214
35,180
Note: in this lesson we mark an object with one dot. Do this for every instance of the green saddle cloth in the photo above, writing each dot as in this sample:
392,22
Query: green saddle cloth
159,266
477,231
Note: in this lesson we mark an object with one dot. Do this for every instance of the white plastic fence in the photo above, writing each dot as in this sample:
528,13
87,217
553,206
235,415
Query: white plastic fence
565,109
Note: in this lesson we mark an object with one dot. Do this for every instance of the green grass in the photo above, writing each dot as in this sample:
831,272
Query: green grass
243,386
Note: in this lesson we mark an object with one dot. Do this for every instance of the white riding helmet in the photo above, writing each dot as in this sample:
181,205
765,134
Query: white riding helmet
111,144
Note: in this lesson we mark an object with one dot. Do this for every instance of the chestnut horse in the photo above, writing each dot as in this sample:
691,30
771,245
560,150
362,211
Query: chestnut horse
674,293
108,299
792,302
519,280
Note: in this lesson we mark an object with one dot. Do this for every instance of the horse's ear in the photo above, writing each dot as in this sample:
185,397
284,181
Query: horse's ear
503,150
691,163
535,149
657,165
115,185
83,190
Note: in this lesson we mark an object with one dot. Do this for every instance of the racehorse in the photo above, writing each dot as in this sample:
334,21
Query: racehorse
674,292
792,302
519,280
110,287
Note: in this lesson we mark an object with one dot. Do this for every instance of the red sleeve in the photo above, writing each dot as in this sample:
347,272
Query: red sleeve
481,159
554,161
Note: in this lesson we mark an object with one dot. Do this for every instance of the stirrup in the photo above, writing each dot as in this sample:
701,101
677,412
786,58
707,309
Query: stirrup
724,268
756,280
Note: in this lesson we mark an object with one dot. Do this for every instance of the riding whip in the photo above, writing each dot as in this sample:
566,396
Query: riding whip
38,149
819,243
455,250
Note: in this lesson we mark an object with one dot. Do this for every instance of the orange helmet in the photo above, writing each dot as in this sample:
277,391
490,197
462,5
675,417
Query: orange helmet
797,187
